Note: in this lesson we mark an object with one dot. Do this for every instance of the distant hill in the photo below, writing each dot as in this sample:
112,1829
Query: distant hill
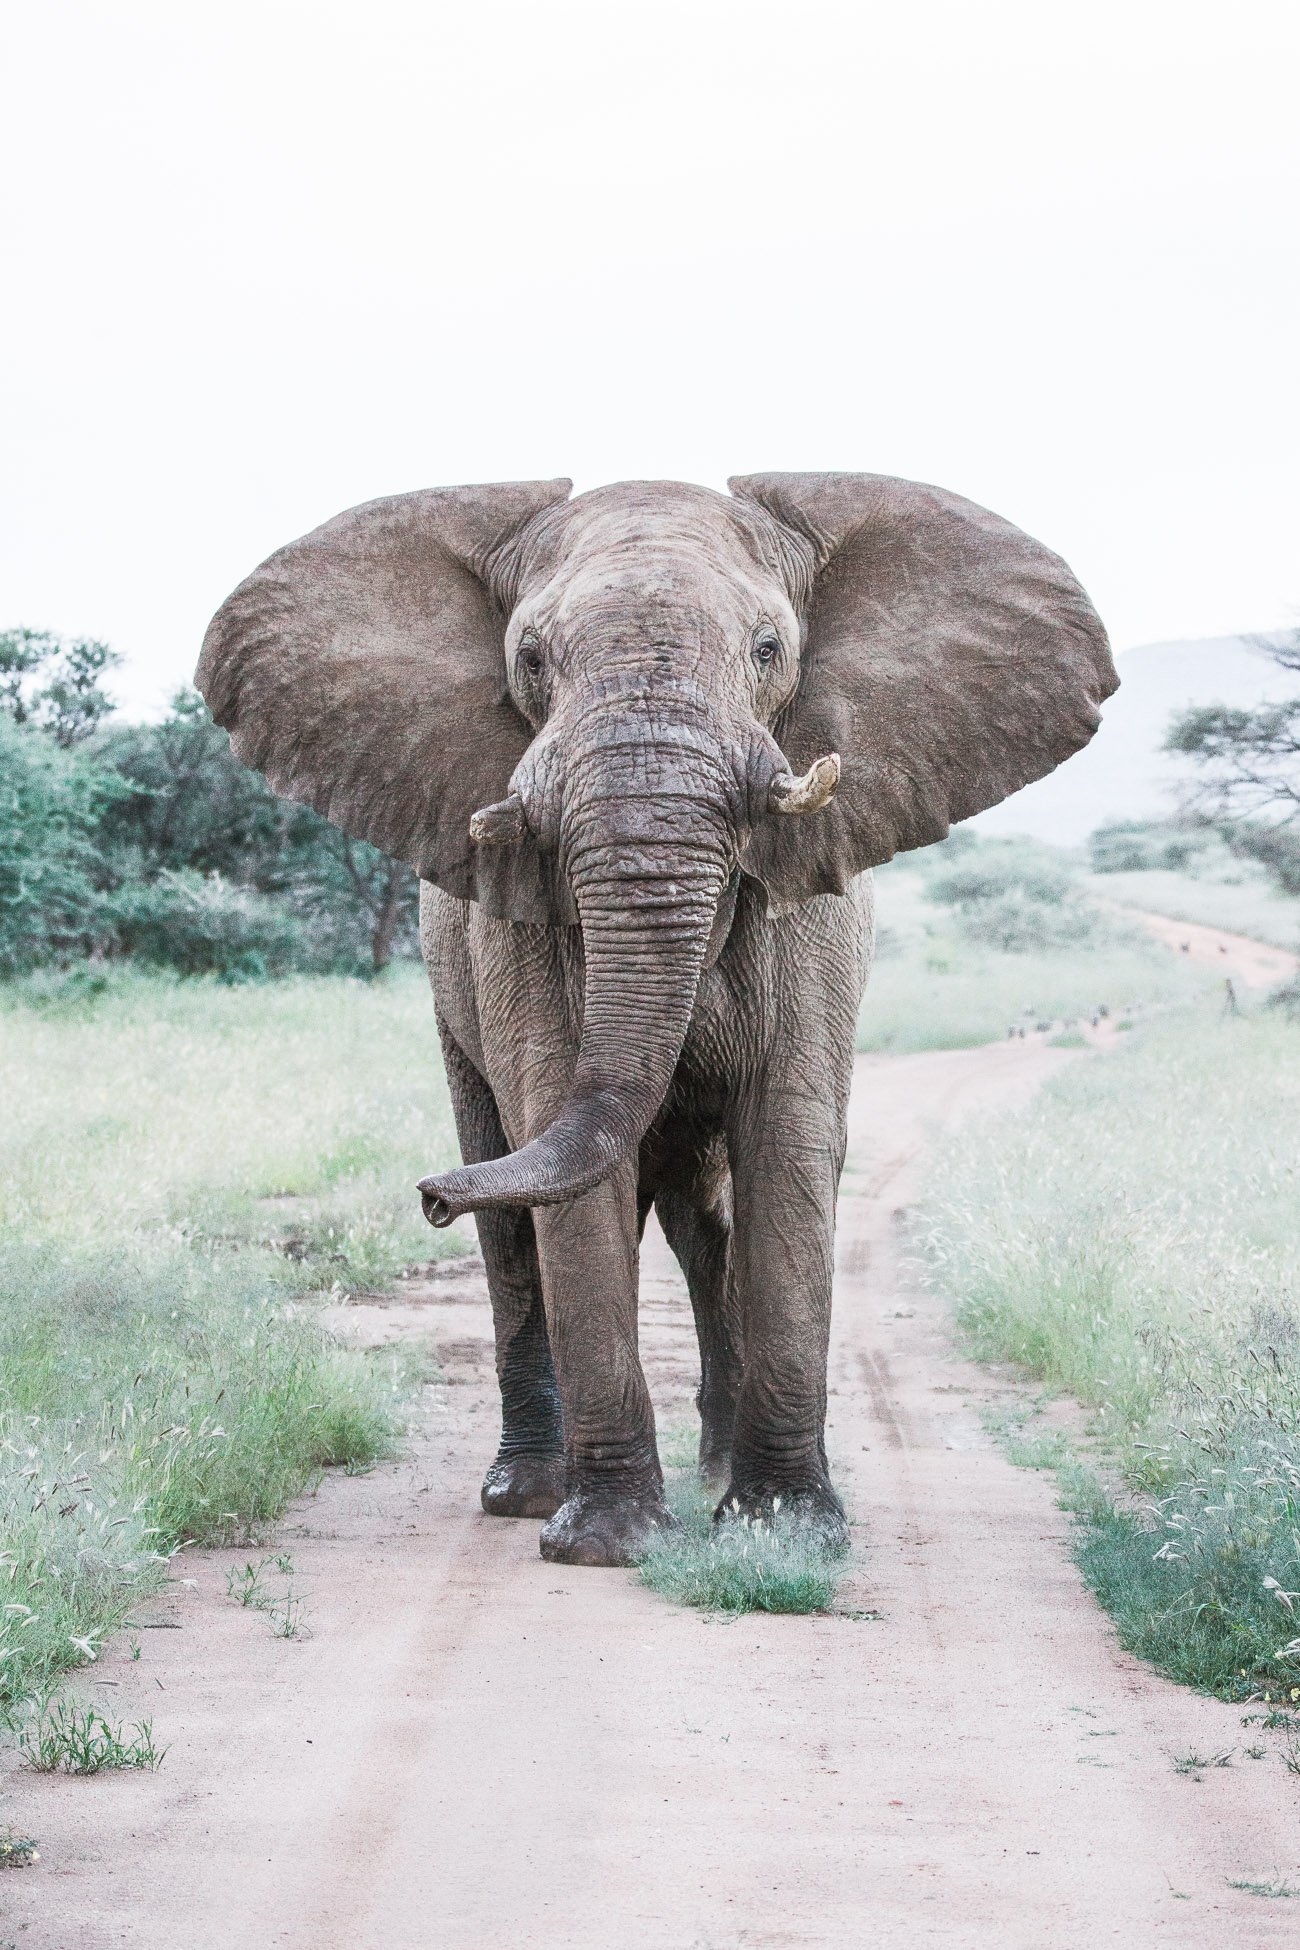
1123,774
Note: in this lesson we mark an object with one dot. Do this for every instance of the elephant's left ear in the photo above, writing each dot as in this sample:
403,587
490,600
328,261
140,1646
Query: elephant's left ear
362,669
949,659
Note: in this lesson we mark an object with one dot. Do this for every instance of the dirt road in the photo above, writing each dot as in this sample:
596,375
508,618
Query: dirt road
478,1751
1255,964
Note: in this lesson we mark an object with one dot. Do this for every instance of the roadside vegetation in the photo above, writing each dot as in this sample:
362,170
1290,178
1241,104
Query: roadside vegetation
150,843
1236,878
185,1170
1130,1239
978,939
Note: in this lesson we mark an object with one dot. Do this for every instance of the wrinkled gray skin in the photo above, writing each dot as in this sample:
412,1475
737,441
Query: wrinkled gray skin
647,959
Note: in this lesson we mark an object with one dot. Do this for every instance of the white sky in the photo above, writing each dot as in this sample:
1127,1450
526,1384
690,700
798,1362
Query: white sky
268,260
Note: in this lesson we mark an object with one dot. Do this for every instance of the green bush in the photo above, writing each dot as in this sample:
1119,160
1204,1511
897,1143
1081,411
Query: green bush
50,804
203,925
1016,896
1149,845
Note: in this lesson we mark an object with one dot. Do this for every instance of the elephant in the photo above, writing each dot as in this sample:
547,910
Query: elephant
642,746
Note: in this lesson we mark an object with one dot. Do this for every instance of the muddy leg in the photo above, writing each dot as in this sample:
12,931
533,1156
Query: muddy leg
527,1477
614,1485
701,1237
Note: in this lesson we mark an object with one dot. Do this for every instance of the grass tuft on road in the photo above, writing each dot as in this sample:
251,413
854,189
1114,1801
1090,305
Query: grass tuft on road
1130,1239
740,1565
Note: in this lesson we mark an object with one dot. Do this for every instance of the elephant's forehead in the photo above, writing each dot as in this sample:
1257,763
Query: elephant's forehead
668,533
659,556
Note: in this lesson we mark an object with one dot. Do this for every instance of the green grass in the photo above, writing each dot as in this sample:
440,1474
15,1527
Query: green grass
931,988
1240,898
1131,1238
183,1169
299,1111
69,1739
736,1566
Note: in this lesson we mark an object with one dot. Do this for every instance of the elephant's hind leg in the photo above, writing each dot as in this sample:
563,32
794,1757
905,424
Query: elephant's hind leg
697,1224
526,1479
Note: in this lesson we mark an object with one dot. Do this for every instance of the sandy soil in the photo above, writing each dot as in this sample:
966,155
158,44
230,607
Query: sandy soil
474,1748
1252,963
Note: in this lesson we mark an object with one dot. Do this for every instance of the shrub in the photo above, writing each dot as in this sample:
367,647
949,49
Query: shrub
1151,845
1015,896
50,800
203,925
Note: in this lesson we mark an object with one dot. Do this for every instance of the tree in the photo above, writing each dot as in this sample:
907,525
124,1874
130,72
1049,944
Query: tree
50,804
188,803
55,683
1248,785
1249,761
188,806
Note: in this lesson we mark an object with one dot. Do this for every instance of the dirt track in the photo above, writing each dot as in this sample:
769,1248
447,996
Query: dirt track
1254,964
474,1748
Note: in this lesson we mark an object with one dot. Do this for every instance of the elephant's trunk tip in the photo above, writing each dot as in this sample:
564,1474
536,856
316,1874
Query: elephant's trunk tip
438,1210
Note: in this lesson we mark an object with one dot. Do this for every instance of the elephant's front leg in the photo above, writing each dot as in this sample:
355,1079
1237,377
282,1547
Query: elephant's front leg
786,1161
526,1479
614,1501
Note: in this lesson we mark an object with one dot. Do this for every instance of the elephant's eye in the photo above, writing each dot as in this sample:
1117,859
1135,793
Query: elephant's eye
530,656
766,648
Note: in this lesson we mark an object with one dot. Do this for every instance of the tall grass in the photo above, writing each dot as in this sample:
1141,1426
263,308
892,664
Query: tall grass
182,1168
1131,1238
299,1111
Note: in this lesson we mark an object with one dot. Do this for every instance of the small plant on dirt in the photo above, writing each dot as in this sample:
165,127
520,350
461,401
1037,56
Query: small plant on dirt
244,1585
17,1851
1279,1886
81,1740
286,1614
1195,1765
1026,1448
746,1565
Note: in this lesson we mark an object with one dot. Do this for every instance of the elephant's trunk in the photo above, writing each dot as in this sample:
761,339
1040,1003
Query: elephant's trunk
647,873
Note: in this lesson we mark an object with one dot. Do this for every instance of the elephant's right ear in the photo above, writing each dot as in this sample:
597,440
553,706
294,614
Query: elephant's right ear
362,669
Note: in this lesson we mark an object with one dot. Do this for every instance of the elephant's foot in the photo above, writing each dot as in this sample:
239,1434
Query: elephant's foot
715,1470
524,1486
811,1509
587,1530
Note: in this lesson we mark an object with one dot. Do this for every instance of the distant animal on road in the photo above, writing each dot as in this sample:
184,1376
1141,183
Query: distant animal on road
642,745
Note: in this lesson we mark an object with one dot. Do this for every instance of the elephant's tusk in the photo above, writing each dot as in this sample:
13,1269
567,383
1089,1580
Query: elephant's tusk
498,825
815,789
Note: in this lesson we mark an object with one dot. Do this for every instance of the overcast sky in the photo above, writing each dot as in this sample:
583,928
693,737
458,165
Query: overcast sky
268,260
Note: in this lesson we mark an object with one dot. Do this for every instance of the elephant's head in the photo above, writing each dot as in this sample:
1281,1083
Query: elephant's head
598,710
